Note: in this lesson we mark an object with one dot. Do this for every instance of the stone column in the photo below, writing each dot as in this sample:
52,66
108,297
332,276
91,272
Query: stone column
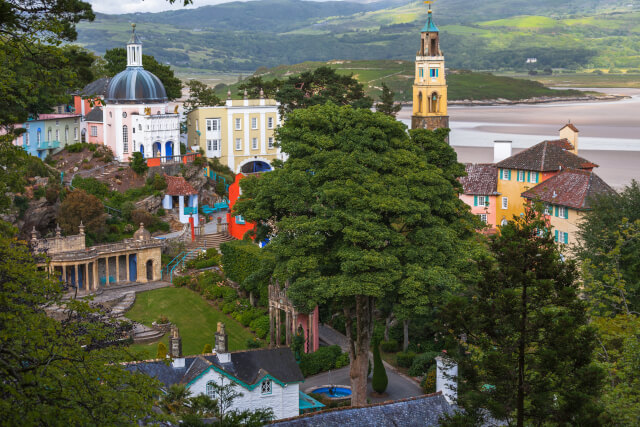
76,275
96,279
287,325
126,261
272,330
277,319
310,332
85,273
64,273
106,271
117,268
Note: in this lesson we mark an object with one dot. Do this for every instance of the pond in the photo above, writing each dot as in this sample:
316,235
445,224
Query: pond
333,392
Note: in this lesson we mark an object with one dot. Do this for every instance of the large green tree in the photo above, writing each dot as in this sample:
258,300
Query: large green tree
387,103
200,95
117,61
65,371
528,347
357,214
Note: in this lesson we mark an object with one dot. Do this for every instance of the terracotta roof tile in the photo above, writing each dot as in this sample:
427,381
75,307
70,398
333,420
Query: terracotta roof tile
546,156
178,186
570,126
572,188
481,179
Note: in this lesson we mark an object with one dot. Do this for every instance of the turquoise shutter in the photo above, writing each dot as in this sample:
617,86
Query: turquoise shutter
528,176
536,177
556,211
566,238
566,213
508,174
486,200
475,200
556,238
501,174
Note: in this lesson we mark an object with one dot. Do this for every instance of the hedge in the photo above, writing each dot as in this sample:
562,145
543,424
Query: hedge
324,359
405,360
422,363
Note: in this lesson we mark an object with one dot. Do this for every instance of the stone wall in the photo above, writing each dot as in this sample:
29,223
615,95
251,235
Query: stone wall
56,245
431,122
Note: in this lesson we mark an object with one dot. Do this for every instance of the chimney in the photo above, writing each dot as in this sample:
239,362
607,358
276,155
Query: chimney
175,343
222,344
58,231
501,150
570,133
447,378
81,228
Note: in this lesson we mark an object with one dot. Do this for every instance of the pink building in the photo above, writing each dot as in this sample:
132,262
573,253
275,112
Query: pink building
94,126
137,116
479,191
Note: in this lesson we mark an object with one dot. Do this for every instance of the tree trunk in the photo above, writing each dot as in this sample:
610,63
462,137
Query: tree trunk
521,354
405,332
251,299
359,347
389,321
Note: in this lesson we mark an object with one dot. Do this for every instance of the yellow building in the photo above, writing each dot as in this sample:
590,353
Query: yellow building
430,84
239,133
566,197
525,170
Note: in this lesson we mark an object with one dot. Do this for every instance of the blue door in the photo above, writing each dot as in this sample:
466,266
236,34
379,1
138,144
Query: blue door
142,149
168,149
133,268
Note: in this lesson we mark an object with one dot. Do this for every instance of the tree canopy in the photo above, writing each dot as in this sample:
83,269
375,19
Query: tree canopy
117,61
200,95
361,215
386,104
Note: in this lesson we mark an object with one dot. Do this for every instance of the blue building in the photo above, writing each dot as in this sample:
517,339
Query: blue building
49,133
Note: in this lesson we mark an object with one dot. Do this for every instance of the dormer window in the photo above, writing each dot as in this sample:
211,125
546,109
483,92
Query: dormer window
266,387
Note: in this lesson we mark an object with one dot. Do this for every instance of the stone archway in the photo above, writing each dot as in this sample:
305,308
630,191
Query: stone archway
168,148
149,270
142,150
157,149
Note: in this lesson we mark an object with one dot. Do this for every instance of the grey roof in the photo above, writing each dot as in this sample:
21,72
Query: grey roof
95,115
135,85
417,411
247,366
481,179
547,156
96,87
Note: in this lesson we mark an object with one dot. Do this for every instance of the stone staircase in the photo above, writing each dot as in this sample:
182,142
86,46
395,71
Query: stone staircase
208,241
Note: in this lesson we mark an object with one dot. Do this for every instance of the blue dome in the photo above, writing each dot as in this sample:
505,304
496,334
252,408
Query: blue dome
135,85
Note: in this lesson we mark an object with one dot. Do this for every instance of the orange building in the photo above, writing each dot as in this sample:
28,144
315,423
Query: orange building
237,226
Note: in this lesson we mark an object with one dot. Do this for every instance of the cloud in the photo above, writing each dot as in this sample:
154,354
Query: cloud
132,6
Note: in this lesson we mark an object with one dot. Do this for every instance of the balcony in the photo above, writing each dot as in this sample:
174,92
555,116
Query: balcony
48,145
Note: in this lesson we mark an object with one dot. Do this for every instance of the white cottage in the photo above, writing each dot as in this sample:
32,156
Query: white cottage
267,378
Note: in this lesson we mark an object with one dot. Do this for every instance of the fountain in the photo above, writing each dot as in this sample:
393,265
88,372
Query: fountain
332,391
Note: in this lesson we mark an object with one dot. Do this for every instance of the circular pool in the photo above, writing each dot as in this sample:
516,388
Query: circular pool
333,392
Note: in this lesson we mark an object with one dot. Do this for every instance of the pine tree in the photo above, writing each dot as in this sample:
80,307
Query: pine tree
380,380
386,104
528,345
162,351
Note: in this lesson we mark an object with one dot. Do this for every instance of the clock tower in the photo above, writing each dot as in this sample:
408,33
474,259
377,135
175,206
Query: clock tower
430,84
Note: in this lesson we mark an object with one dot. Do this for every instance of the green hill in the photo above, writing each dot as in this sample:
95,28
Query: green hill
498,35
399,75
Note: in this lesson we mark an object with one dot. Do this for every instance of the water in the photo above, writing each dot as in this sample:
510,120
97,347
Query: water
335,392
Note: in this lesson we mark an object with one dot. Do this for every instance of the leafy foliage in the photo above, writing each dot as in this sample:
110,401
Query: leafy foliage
138,163
322,360
79,206
386,104
200,95
162,351
248,265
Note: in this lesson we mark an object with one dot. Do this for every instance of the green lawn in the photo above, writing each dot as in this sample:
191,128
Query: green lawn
195,318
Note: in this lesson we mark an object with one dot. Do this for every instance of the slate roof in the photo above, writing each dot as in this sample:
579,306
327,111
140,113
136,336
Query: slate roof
572,188
96,88
417,411
545,157
95,115
481,179
570,126
247,366
178,186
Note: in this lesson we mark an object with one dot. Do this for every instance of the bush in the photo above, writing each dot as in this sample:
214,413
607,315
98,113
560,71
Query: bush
342,361
51,193
390,346
207,349
405,360
162,320
320,361
228,307
253,343
380,381
159,182
38,193
428,383
260,326
162,351
161,212
141,216
180,281
75,148
422,363
138,164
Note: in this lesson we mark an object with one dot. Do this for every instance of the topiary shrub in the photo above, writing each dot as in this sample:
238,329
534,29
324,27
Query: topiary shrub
207,349
380,381
390,346
405,360
422,363
162,351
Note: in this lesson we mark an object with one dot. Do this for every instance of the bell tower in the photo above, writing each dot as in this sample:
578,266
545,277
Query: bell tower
430,84
134,49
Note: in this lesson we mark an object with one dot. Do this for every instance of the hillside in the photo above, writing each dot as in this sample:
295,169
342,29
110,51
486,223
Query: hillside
399,75
243,36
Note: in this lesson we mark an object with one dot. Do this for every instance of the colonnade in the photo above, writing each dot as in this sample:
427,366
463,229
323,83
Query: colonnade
86,275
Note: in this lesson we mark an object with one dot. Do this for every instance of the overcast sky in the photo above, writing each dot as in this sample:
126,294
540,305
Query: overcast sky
130,6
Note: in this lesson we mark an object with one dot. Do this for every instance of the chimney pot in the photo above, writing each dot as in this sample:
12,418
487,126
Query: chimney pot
501,150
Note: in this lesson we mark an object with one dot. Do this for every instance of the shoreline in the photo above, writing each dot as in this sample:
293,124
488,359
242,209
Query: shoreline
532,101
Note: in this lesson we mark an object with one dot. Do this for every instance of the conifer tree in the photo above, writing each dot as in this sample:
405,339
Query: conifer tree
162,351
528,346
380,380
386,104
207,349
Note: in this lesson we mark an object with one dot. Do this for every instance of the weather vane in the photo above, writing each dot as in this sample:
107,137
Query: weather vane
429,2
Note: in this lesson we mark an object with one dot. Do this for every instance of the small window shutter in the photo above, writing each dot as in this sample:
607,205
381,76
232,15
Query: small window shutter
566,213
475,200
556,238
528,176
556,212
486,200
535,177
501,174
508,174
566,238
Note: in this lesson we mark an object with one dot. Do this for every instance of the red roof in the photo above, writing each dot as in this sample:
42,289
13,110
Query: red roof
572,188
547,156
178,186
55,116
570,126
481,179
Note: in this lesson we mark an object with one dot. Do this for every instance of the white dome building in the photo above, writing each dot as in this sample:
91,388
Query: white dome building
136,115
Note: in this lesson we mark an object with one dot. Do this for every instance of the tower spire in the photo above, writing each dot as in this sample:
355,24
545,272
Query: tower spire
134,49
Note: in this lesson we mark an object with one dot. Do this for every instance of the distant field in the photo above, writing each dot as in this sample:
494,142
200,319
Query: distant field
195,318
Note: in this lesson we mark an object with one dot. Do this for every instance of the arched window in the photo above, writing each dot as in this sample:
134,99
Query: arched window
49,135
419,102
433,102
66,133
125,139
211,390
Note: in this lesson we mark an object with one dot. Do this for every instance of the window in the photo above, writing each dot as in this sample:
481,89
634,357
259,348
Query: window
49,135
433,72
265,387
520,176
533,177
75,133
254,143
213,144
239,219
480,200
66,134
57,135
505,203
238,124
94,130
213,125
562,212
270,142
562,237
26,138
505,174
57,122
139,127
270,122
238,143
75,120
483,218
421,72
38,137
124,115
254,123
211,390
548,209
125,139
133,129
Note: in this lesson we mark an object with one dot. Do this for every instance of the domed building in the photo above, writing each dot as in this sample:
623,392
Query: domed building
137,115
